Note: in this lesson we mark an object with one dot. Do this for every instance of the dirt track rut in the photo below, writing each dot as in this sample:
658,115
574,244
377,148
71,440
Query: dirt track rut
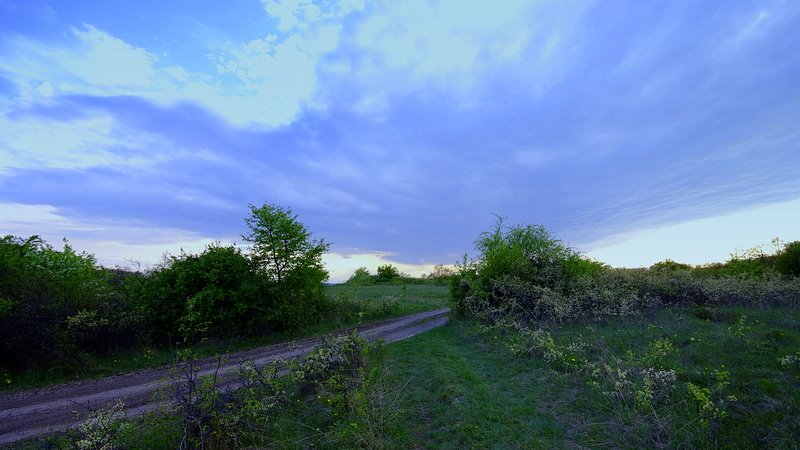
30,413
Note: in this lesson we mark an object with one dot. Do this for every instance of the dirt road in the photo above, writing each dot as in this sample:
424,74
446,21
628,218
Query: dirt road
56,408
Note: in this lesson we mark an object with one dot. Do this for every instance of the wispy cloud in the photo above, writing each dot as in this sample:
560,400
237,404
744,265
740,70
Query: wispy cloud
402,126
113,243
260,82
702,241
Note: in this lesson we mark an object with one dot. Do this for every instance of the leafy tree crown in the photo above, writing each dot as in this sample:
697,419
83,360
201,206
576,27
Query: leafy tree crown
281,247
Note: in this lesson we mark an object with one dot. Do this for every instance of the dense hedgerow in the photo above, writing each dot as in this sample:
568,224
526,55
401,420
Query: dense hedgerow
54,304
525,272
60,305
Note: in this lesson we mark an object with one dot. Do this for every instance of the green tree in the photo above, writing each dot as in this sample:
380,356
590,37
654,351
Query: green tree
441,272
388,272
281,247
360,277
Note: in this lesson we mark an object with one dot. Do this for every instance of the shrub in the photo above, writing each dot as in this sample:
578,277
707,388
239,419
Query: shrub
669,265
39,288
212,282
787,261
242,409
441,273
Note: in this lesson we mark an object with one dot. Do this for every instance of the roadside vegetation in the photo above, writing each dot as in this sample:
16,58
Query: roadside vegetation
65,317
333,398
670,356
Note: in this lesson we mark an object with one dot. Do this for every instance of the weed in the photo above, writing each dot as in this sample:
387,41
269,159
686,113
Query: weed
101,430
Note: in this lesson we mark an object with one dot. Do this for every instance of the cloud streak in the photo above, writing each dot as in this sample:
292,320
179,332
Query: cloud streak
401,127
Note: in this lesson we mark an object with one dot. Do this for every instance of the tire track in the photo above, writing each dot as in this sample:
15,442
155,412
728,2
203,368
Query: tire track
57,408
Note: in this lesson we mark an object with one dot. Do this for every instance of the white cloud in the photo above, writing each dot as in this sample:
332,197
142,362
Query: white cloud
455,46
263,82
702,241
108,62
91,141
293,14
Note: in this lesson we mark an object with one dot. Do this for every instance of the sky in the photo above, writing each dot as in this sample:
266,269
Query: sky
396,131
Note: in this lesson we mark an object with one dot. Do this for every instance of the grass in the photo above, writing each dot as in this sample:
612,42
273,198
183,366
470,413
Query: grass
353,305
392,300
463,392
462,386
467,390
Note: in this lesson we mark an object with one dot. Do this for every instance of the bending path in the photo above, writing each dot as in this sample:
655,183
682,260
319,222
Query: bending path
57,408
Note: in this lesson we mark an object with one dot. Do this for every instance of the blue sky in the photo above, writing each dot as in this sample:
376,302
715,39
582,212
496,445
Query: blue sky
635,131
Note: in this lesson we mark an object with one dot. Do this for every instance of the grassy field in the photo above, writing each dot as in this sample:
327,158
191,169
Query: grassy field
390,300
592,388
352,305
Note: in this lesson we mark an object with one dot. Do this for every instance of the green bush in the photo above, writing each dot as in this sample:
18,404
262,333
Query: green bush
669,265
212,282
60,306
41,287
787,261
441,274
531,254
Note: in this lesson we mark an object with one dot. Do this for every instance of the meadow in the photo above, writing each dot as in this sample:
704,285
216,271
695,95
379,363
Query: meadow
545,349
671,378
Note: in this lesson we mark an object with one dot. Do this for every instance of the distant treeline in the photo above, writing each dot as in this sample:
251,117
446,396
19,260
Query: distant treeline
389,274
58,305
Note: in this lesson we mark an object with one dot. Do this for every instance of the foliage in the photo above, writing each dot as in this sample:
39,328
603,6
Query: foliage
387,273
525,273
787,261
669,265
288,261
665,379
360,277
528,253
62,308
282,248
441,273
101,430
39,288
209,287
326,394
